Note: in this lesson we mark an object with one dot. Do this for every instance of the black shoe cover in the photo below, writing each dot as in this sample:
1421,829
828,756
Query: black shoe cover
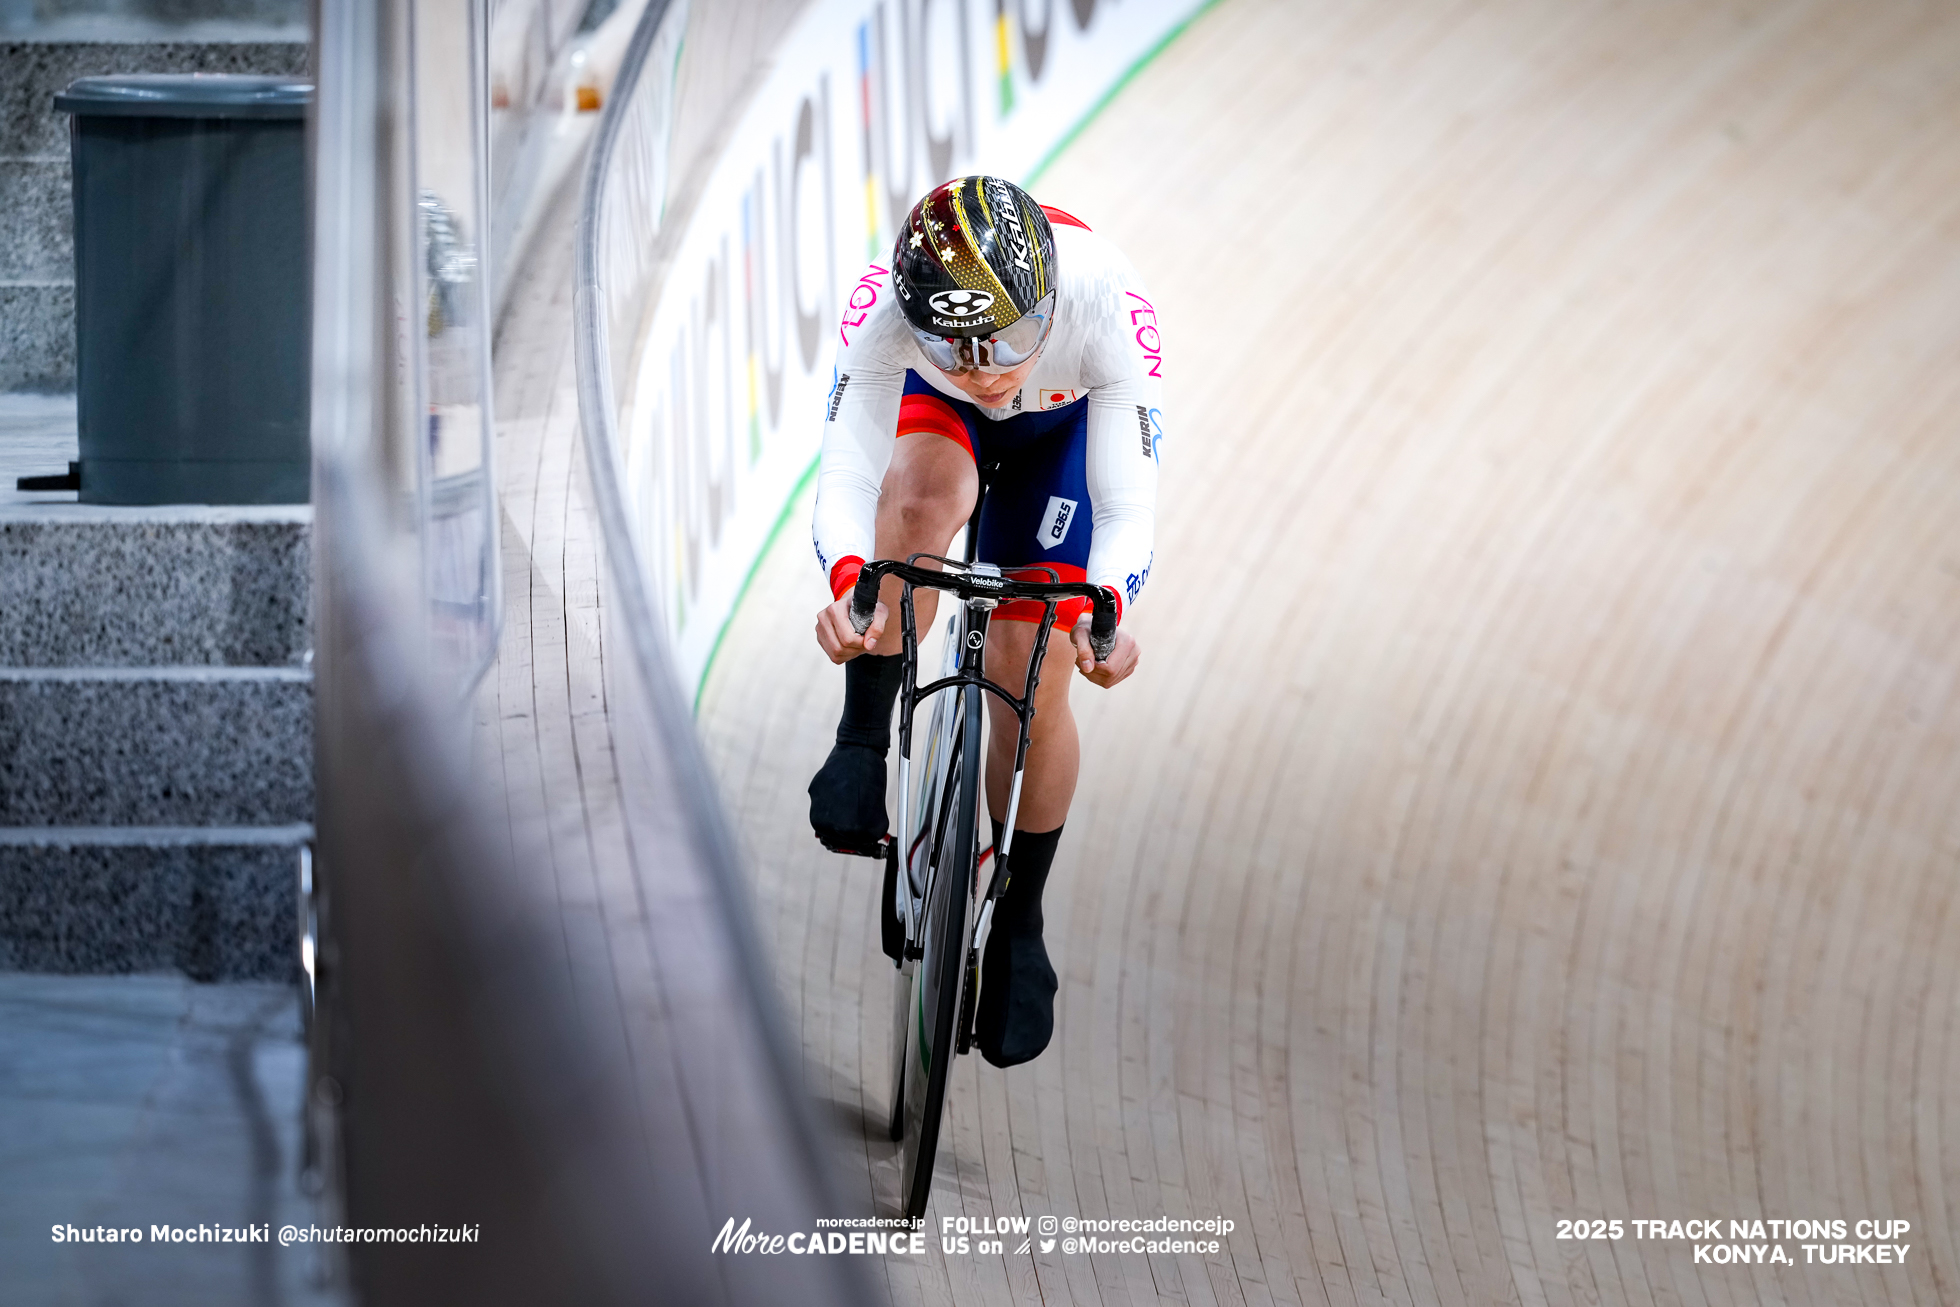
1017,996
847,800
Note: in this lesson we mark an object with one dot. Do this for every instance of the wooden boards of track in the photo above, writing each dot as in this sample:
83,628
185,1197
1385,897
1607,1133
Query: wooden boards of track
1536,801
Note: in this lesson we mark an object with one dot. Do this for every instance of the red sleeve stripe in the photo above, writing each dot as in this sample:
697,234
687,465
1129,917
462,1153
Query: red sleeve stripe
845,575
1066,219
934,416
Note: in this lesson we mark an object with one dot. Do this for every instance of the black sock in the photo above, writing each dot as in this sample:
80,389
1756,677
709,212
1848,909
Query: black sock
871,684
1019,907
1016,1016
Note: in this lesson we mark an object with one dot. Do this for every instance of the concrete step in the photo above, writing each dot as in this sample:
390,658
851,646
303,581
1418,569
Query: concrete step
156,746
155,723
89,586
214,903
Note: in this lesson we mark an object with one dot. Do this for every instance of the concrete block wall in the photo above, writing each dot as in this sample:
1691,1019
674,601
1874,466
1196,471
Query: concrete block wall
37,249
156,738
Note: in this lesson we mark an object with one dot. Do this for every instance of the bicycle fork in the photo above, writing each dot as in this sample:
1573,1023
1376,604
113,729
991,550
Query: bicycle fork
970,674
1023,709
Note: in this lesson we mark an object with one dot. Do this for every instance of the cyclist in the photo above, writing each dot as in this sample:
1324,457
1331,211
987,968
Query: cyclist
1008,336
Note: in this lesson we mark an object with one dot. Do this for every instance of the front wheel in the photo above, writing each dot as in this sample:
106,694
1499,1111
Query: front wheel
901,1047
932,1014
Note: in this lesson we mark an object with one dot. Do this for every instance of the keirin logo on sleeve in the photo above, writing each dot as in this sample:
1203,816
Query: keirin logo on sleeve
1055,522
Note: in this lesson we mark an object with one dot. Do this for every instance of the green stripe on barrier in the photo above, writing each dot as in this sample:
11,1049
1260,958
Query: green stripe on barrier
1129,74
742,591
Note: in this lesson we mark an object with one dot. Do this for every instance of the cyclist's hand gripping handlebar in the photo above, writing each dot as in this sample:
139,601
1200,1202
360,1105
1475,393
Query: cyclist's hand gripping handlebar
864,599
1102,626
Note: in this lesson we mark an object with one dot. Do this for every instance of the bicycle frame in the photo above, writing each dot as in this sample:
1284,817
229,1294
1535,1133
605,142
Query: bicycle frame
948,947
980,588
971,633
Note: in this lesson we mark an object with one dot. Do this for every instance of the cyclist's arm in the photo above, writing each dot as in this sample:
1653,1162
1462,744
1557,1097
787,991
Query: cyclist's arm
1122,478
1126,422
861,415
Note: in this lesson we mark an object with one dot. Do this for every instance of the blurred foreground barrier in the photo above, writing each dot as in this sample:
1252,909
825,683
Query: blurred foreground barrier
458,1078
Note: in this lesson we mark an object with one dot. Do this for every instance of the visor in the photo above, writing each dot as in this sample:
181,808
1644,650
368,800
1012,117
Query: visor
1001,352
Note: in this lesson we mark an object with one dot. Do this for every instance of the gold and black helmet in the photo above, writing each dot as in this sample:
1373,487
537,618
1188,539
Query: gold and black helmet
974,267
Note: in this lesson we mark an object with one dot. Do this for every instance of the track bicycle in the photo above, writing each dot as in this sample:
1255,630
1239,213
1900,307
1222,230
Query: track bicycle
935,913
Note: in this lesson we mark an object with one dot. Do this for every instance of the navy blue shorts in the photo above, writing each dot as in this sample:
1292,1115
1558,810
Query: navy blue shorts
1037,510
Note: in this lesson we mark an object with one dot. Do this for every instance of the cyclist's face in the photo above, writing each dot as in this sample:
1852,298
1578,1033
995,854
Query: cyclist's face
992,389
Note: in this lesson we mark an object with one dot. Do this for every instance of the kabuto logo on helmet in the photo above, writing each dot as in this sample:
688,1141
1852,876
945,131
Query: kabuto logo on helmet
1010,212
961,303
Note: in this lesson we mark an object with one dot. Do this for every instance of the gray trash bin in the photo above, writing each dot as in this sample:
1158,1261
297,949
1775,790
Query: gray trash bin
192,288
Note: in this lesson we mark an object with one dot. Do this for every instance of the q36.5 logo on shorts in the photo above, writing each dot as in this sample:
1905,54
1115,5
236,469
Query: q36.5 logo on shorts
1055,522
961,303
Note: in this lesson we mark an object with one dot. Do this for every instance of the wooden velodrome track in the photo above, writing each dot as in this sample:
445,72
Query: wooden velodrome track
1538,797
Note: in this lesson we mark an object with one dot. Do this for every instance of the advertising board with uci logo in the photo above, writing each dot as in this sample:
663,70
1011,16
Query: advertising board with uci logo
731,380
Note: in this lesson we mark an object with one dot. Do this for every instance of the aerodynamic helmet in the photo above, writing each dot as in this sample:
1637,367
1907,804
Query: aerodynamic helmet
974,267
